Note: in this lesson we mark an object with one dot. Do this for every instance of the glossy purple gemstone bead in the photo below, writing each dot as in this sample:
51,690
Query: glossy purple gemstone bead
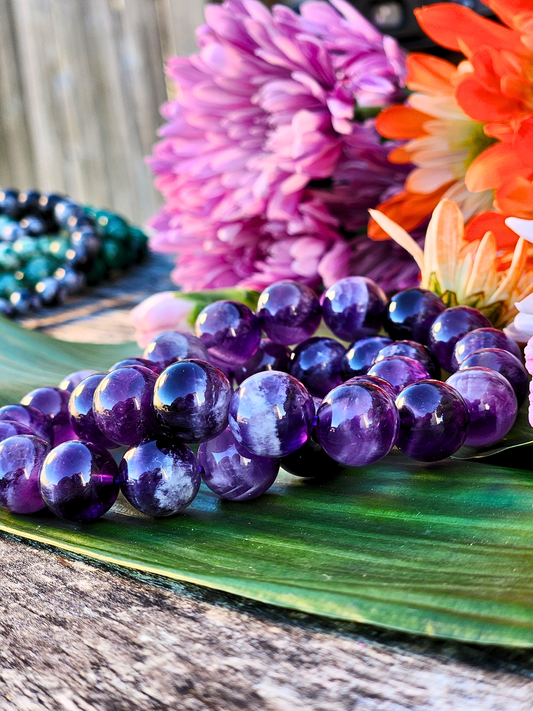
354,308
360,356
74,379
271,414
490,401
413,350
269,356
82,415
172,346
191,400
433,421
144,362
122,405
373,380
482,338
316,363
29,416
399,371
159,477
232,475
21,459
230,330
411,314
10,428
505,364
53,403
79,481
289,312
311,462
449,327
357,424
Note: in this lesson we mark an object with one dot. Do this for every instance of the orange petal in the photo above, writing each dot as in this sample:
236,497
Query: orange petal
400,236
399,156
523,142
481,104
401,122
409,210
491,168
444,238
515,197
502,132
458,28
514,13
430,74
484,267
493,222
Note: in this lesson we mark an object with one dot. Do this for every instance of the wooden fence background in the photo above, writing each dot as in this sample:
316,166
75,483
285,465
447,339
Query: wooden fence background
81,82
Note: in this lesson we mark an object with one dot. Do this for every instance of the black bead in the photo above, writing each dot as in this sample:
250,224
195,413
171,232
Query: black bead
28,201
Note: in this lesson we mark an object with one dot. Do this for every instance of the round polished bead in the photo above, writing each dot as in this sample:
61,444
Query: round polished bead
504,363
74,379
21,459
373,380
122,405
360,355
172,346
316,363
411,314
50,291
159,477
311,462
399,371
413,350
191,400
482,338
47,203
449,327
29,202
230,474
24,302
79,481
229,330
271,414
354,308
71,280
81,412
433,421
29,416
53,403
357,424
289,312
144,362
9,203
269,356
10,428
490,401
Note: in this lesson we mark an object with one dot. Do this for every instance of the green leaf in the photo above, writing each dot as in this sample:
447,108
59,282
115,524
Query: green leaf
202,299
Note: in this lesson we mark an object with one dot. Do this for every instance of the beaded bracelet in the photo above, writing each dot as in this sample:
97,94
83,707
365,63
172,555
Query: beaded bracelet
309,410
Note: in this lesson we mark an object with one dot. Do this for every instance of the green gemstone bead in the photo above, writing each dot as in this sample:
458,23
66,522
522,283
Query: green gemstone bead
37,269
113,254
59,248
9,260
8,284
97,272
114,226
26,248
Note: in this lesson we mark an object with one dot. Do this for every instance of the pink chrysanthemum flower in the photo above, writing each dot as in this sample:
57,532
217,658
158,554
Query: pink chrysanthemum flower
265,170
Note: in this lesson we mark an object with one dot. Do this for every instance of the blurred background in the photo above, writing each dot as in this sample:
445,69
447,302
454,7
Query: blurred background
81,82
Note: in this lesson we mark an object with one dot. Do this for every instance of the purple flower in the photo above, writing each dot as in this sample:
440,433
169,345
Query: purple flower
263,168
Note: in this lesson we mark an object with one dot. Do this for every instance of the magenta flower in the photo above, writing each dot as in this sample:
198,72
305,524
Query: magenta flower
265,171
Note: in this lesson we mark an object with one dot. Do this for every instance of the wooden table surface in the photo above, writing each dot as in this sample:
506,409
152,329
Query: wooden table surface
76,635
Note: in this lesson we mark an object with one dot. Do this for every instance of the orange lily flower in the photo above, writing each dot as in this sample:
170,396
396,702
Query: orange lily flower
462,271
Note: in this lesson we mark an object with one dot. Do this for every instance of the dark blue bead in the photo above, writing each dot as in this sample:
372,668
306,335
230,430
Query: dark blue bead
29,202
316,363
354,308
449,327
411,314
9,203
360,356
413,350
24,302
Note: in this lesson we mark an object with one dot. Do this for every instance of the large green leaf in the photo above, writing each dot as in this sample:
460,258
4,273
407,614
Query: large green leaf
444,550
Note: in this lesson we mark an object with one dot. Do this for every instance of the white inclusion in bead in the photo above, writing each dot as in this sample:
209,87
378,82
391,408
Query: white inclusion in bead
174,492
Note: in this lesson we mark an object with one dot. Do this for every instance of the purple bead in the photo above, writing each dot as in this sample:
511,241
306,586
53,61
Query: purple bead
433,421
74,379
21,459
316,363
82,415
269,356
191,400
399,371
159,477
374,380
122,405
311,462
229,370
53,403
413,350
144,362
79,481
505,364
10,428
482,338
490,401
411,314
230,330
230,474
354,308
271,414
172,346
360,356
289,312
357,424
29,416
449,327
